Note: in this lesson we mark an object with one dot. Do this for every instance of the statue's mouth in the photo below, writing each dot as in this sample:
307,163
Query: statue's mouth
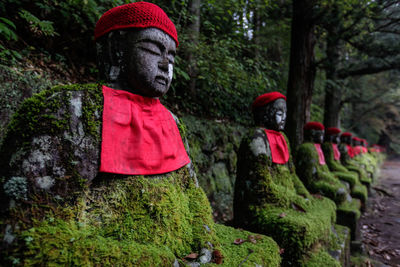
162,80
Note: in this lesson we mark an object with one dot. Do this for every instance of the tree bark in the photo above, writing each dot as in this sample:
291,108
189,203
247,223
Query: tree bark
194,29
301,70
332,90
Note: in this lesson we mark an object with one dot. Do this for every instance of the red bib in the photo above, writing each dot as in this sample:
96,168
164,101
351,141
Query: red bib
278,145
139,136
364,149
350,151
320,154
336,152
356,150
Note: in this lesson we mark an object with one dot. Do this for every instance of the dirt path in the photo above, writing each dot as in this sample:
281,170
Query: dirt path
380,224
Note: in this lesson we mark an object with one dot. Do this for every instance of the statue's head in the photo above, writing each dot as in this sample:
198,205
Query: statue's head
269,111
332,135
314,132
346,138
355,141
136,45
364,143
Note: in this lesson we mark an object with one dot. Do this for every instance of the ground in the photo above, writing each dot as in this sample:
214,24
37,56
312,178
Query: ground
380,224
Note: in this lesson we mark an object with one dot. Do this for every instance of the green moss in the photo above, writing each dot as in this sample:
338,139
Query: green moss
320,258
263,252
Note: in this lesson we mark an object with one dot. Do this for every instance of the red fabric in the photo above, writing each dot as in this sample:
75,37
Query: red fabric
264,99
135,15
314,125
364,150
140,136
320,154
278,145
350,151
357,150
332,131
346,134
336,152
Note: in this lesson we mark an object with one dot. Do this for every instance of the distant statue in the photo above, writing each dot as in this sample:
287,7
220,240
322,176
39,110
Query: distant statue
314,172
269,197
311,166
332,158
347,158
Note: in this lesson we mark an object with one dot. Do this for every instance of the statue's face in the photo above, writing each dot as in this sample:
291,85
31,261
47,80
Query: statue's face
151,62
317,136
345,139
274,115
336,139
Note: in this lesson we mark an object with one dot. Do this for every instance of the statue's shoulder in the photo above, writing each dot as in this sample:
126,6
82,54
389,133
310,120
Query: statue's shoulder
52,133
258,142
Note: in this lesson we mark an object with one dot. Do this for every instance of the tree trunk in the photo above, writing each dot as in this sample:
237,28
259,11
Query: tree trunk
194,31
332,90
301,70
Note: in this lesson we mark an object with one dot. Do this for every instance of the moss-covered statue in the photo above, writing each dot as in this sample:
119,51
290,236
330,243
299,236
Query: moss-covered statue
346,158
363,158
314,172
332,158
58,209
269,197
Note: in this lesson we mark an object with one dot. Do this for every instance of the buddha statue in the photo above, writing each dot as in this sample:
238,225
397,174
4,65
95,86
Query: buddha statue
347,158
269,197
332,158
314,172
100,174
311,166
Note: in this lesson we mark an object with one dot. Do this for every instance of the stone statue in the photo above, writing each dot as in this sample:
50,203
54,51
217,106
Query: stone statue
58,209
314,172
347,159
269,197
332,157
312,168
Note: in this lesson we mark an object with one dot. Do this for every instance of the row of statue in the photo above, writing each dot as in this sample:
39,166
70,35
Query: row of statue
101,175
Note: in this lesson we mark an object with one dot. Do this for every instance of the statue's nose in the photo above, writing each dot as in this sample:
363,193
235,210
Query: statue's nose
163,64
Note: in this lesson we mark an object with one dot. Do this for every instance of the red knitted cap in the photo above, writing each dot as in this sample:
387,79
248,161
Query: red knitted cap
264,99
135,15
356,138
314,125
332,131
346,134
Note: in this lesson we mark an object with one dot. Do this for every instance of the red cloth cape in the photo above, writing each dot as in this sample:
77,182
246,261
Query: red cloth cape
320,154
357,150
336,152
140,136
350,151
278,145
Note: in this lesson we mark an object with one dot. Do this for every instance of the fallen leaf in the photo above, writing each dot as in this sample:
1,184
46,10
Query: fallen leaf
238,241
217,257
317,196
297,207
192,256
252,239
282,215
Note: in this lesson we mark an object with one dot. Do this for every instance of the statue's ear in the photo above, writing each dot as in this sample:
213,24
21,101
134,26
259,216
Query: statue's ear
110,54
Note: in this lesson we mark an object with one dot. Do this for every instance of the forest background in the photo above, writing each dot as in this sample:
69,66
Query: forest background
337,61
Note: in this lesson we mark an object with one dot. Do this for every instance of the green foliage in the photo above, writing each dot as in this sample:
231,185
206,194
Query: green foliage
7,29
37,26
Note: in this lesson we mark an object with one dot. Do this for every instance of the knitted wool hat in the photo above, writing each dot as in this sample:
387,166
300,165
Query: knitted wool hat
332,131
314,125
135,15
264,99
346,134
